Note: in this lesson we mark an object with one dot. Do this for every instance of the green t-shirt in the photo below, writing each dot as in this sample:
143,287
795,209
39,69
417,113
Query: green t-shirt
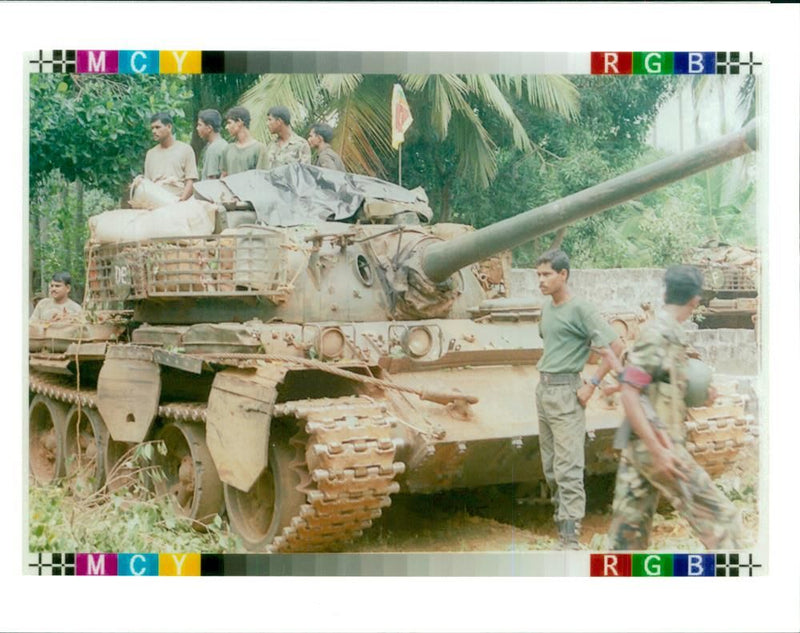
238,159
212,159
568,331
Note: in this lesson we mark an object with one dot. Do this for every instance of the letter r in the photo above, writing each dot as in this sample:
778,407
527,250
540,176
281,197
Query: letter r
611,60
610,565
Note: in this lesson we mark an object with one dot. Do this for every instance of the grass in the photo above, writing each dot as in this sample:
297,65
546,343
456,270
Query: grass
132,518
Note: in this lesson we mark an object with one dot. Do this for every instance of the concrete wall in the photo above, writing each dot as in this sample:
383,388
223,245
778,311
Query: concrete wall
734,352
612,290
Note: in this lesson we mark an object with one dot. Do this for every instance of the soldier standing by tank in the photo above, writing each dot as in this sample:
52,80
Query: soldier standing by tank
319,139
244,152
208,125
289,146
171,163
569,326
58,305
654,458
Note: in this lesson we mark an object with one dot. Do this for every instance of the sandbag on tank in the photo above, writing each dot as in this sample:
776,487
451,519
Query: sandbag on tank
181,219
146,194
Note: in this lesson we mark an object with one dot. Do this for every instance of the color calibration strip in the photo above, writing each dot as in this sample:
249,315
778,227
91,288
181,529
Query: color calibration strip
541,564
140,62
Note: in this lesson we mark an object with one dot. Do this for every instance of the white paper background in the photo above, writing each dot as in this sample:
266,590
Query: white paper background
366,604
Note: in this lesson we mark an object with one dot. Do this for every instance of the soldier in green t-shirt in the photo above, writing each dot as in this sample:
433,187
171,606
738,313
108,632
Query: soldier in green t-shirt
244,152
208,125
569,327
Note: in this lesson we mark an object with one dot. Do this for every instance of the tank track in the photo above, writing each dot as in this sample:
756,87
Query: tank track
345,462
63,390
716,435
344,456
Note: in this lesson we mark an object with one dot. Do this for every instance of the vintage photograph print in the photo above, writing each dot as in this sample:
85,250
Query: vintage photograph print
497,304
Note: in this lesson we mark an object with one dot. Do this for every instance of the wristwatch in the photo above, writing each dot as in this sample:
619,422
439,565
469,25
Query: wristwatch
594,381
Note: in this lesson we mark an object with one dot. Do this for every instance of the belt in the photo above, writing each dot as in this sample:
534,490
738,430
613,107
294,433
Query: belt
557,379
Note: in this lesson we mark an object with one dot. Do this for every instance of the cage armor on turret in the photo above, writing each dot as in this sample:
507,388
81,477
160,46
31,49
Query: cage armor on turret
311,354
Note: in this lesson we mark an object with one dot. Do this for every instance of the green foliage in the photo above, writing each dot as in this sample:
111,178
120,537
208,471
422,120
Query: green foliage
129,519
96,128
57,235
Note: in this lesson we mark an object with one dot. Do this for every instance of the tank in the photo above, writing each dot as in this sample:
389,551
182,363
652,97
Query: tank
302,366
730,284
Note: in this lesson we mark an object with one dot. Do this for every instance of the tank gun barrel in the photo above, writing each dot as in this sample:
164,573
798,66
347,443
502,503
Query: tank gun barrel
440,260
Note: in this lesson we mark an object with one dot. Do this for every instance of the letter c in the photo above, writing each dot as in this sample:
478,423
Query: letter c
134,67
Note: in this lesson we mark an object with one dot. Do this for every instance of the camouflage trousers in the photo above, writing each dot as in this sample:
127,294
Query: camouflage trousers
562,431
714,519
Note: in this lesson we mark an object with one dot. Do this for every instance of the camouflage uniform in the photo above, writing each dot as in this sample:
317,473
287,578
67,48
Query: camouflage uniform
294,150
660,351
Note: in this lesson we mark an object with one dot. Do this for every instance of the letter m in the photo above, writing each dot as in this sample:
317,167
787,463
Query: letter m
96,566
97,64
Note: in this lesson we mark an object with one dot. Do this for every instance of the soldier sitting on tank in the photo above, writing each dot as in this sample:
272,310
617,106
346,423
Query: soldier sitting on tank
289,147
208,126
654,458
319,138
58,305
171,163
568,327
244,152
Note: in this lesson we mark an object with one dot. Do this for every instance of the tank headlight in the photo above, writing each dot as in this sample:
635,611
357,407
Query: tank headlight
418,341
332,343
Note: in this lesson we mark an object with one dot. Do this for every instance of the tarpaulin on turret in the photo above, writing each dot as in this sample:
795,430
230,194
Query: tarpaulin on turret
301,194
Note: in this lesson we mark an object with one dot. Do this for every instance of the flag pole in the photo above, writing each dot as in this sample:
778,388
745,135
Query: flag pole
400,166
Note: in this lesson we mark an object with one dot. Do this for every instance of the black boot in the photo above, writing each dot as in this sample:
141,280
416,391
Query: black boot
568,532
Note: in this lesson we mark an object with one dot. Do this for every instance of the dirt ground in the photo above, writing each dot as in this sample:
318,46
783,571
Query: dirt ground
493,519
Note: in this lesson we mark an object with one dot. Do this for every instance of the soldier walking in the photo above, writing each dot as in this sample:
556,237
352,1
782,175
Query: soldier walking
568,327
654,458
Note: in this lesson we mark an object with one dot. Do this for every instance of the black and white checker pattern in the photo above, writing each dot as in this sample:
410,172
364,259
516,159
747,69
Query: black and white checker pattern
62,61
49,564
736,63
735,565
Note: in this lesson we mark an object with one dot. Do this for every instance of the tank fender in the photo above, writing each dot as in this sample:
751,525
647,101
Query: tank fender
238,422
128,392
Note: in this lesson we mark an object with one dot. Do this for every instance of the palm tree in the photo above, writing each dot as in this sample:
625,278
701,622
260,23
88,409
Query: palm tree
446,108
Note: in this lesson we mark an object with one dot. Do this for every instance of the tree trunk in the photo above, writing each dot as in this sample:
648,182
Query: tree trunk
558,239
76,256
444,207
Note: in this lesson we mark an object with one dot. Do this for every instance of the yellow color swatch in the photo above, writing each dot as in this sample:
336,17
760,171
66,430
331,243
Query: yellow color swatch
180,62
179,564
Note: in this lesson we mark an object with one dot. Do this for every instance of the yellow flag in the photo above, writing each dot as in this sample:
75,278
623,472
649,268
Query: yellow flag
401,116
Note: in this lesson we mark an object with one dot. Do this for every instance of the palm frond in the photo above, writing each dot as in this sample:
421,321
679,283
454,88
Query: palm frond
475,148
489,93
446,93
290,90
340,85
363,130
554,93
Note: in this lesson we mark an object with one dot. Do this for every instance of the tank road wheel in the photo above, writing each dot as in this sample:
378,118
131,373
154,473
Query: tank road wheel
83,450
260,514
191,479
45,439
